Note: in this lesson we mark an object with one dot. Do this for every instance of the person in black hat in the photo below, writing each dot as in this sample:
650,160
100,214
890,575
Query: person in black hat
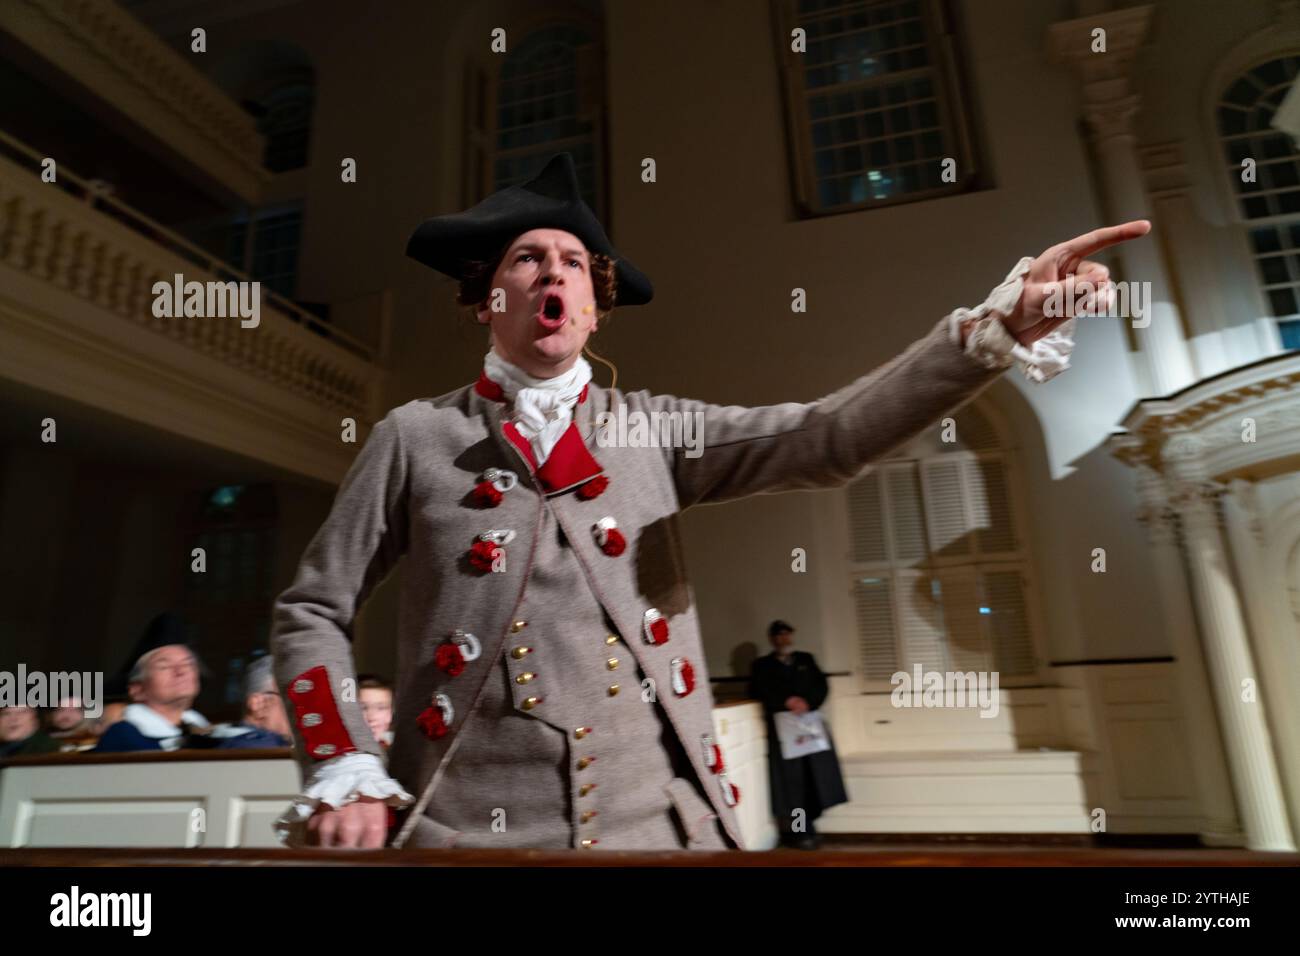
162,682
544,585
789,682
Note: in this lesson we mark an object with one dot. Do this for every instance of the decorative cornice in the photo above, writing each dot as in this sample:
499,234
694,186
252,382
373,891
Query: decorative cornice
1109,104
1207,417
120,61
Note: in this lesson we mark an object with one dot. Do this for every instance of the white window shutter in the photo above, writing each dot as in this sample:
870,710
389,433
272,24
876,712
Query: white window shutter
1007,623
877,649
991,507
906,521
947,514
866,519
967,643
920,622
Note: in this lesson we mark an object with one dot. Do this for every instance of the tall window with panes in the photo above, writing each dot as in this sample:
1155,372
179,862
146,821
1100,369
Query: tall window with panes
547,97
876,106
1268,194
940,569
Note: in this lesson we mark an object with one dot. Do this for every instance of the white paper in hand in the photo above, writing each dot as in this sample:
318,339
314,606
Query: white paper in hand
801,734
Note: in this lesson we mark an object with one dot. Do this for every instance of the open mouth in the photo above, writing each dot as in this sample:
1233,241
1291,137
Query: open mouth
552,314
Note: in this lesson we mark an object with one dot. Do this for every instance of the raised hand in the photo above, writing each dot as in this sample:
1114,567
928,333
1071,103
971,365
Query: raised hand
1053,275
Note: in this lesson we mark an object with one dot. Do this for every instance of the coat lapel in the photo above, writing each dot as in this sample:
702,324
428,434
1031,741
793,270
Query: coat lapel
570,463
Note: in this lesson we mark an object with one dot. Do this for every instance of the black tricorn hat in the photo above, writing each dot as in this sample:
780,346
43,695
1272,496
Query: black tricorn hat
550,200
164,630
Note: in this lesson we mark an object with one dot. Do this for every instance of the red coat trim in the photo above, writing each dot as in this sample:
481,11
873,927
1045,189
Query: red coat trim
488,388
593,488
317,715
570,462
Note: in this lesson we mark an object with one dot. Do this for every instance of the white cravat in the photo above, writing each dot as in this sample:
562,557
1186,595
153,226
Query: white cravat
543,407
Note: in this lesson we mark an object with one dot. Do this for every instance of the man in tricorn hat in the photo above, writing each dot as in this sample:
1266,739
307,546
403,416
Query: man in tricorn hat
551,688
162,677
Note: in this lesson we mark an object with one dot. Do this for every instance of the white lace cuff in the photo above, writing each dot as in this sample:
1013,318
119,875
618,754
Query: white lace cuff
337,783
989,343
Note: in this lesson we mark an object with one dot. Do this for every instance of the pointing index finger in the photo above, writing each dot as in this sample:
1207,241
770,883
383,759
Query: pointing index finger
1091,242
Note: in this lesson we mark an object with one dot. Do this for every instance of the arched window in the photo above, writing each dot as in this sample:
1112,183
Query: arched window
285,120
875,102
939,563
549,98
1269,194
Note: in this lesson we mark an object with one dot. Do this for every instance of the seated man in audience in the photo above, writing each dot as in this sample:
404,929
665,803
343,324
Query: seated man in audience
69,725
21,734
375,695
265,722
163,685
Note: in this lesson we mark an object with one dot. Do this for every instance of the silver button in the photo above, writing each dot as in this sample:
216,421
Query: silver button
324,750
311,720
303,686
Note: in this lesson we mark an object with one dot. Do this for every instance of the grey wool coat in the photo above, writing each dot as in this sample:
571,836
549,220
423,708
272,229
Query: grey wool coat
574,722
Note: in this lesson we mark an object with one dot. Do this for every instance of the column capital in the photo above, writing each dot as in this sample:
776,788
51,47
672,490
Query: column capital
1109,103
1155,510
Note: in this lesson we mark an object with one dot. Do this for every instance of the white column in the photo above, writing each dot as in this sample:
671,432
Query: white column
1109,107
1232,669
1277,666
1219,822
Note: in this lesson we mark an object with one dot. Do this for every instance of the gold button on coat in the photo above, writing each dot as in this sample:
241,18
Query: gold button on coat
518,626
519,652
613,689
531,702
525,677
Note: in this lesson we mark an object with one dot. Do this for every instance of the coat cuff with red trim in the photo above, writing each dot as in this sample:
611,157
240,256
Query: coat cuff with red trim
316,715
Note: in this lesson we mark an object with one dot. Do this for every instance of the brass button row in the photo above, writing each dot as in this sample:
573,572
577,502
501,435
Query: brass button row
518,654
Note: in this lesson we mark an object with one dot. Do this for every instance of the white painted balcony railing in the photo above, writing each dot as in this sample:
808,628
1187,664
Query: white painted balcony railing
89,262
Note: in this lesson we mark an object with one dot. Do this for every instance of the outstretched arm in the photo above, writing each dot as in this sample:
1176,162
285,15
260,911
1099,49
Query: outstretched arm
828,442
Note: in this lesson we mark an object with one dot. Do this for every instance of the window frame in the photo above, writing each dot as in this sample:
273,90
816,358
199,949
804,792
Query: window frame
1219,89
480,106
954,97
895,571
